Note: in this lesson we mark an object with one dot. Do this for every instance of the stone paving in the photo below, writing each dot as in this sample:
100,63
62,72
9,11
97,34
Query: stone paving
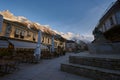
45,70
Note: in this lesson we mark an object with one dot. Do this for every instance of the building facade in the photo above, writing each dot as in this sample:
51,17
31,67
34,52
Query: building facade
70,46
107,32
24,35
59,43
19,31
109,24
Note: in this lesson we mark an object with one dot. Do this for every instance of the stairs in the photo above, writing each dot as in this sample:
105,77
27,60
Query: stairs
93,67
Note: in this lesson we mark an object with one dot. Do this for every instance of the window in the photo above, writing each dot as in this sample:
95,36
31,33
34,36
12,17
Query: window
34,37
104,27
8,30
111,21
48,40
22,34
42,39
28,34
55,44
17,33
118,17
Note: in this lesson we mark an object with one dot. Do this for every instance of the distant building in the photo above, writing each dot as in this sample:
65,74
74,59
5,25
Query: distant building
59,43
82,45
109,24
70,46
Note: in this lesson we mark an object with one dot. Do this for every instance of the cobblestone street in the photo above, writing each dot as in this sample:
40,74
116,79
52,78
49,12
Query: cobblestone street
45,70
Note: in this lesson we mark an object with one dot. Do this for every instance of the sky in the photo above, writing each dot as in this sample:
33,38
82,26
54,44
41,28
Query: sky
76,17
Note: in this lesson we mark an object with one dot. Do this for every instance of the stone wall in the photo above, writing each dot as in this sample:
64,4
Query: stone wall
96,74
107,63
104,48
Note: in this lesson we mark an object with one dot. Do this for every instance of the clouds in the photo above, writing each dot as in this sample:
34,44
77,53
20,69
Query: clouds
73,36
68,35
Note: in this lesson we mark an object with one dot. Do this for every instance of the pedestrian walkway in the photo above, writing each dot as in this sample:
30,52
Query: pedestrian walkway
45,70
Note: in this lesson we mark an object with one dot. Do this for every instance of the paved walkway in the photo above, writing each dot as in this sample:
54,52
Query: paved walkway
45,70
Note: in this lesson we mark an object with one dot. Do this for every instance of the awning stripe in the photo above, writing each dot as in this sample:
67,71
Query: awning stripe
22,44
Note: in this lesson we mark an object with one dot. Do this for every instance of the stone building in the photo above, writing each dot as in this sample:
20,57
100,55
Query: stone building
107,32
109,24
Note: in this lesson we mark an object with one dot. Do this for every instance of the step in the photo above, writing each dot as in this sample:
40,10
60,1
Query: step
91,72
108,63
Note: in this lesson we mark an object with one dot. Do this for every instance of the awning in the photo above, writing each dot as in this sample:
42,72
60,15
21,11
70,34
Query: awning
23,44
4,44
